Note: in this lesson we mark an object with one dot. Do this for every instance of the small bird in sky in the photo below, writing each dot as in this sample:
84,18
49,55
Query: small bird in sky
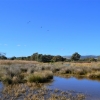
28,22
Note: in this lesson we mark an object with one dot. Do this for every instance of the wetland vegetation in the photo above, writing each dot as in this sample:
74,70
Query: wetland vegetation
25,80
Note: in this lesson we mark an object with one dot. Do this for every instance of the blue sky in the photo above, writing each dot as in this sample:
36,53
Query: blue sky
56,27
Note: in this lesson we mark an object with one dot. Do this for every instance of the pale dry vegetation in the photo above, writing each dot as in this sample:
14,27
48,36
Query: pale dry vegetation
31,91
23,71
25,79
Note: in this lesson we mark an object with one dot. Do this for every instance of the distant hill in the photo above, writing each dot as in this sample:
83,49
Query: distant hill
83,57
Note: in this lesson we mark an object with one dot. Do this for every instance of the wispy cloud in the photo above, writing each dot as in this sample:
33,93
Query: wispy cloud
5,44
21,45
18,45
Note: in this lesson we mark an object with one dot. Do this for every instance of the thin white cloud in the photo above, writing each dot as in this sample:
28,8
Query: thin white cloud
18,45
5,44
24,45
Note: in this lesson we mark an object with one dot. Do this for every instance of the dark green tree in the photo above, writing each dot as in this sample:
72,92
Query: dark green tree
47,58
40,56
2,56
58,58
13,58
35,56
92,59
75,56
28,58
98,58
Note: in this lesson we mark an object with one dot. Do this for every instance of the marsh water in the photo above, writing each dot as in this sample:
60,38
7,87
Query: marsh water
91,88
1,86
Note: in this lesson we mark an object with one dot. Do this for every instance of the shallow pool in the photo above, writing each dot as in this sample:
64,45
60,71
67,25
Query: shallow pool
89,87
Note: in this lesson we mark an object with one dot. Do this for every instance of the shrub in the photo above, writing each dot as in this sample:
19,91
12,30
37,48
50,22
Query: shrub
66,71
79,71
23,69
54,69
15,79
7,80
33,78
94,75
39,76
30,70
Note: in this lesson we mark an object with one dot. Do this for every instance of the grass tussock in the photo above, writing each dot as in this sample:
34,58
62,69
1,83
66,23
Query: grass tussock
7,79
24,92
93,75
39,76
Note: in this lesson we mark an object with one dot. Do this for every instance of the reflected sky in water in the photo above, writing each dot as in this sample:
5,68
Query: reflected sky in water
86,86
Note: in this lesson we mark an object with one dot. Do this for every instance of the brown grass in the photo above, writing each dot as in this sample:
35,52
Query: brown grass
9,62
17,70
17,91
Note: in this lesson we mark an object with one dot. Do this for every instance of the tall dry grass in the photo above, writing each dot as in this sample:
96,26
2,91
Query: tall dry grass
43,76
9,62
11,70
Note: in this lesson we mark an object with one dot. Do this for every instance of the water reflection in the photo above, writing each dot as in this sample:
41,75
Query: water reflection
1,86
86,86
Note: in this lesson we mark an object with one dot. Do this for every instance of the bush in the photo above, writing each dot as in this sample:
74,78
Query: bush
15,79
30,70
39,76
66,71
33,78
94,75
79,71
75,56
7,80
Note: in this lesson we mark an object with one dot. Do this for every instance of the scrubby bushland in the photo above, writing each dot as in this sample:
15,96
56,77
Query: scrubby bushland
19,73
28,71
87,70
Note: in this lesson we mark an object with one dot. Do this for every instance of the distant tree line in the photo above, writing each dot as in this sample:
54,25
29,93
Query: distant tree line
50,58
40,58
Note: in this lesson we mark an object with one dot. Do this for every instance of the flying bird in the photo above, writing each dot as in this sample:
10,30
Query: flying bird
28,22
